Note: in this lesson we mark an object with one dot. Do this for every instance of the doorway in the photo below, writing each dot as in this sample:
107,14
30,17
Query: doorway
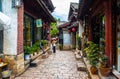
118,43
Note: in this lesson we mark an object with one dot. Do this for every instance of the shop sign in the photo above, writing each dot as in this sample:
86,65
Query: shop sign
38,23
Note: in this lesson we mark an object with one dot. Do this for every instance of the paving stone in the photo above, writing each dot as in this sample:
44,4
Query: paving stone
59,65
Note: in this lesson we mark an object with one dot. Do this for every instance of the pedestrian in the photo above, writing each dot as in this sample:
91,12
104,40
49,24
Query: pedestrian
54,45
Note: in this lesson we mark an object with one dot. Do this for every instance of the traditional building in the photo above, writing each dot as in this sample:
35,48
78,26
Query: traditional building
72,17
23,29
64,36
102,26
68,30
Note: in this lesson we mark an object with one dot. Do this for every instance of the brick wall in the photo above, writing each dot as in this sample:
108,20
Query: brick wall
20,30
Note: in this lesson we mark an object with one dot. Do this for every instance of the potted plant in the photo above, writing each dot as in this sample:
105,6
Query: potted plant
27,51
44,43
36,47
79,41
92,51
60,46
105,69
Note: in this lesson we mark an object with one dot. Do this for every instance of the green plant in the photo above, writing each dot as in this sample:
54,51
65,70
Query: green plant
60,46
44,42
79,41
104,68
54,31
74,47
27,49
36,47
93,52
104,60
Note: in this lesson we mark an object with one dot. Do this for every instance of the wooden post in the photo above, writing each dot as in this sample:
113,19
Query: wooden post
108,30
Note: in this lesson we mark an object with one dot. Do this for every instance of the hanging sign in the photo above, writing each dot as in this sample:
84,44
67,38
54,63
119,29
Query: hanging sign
38,23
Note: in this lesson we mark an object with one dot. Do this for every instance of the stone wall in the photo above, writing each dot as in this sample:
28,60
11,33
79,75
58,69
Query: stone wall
15,63
67,47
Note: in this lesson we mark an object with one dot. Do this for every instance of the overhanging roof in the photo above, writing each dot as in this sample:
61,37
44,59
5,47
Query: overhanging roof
49,5
84,6
65,25
73,10
38,8
74,24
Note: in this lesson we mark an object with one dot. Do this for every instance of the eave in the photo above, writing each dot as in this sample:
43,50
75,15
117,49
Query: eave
38,9
84,6
65,25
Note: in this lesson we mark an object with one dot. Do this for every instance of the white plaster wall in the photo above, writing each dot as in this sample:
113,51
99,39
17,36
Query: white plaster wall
66,38
81,29
10,34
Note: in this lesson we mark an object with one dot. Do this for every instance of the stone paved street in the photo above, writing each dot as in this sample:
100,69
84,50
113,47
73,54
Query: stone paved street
61,65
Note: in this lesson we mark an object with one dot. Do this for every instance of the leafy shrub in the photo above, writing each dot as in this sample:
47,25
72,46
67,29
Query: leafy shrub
93,52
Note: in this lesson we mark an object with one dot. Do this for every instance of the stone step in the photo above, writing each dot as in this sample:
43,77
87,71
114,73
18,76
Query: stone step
49,52
78,57
44,56
81,67
77,52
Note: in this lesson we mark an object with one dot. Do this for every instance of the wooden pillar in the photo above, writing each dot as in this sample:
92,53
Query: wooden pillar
89,29
108,30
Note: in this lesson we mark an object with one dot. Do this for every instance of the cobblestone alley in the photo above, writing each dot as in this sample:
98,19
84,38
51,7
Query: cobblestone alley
61,65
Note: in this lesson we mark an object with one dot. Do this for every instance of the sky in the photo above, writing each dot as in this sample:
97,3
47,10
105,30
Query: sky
62,8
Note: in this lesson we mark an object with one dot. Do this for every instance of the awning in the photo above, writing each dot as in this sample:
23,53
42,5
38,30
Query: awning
4,21
84,6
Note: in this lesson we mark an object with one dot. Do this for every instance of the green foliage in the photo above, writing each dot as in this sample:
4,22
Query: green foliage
54,31
27,49
44,42
34,48
79,41
74,46
60,46
104,60
93,53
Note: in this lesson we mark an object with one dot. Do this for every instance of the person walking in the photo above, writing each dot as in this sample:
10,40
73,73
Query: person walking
54,45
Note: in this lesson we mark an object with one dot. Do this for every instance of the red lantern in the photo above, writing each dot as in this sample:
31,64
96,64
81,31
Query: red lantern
69,31
73,29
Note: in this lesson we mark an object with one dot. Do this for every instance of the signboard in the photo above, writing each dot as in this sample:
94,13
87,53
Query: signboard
38,23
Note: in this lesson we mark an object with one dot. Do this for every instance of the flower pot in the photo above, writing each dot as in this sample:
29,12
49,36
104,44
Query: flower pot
105,71
27,57
94,70
6,73
0,60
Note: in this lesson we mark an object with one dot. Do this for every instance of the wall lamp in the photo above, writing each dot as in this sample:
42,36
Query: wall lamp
16,3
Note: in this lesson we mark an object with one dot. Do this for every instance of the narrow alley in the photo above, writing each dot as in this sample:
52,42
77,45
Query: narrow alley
59,65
